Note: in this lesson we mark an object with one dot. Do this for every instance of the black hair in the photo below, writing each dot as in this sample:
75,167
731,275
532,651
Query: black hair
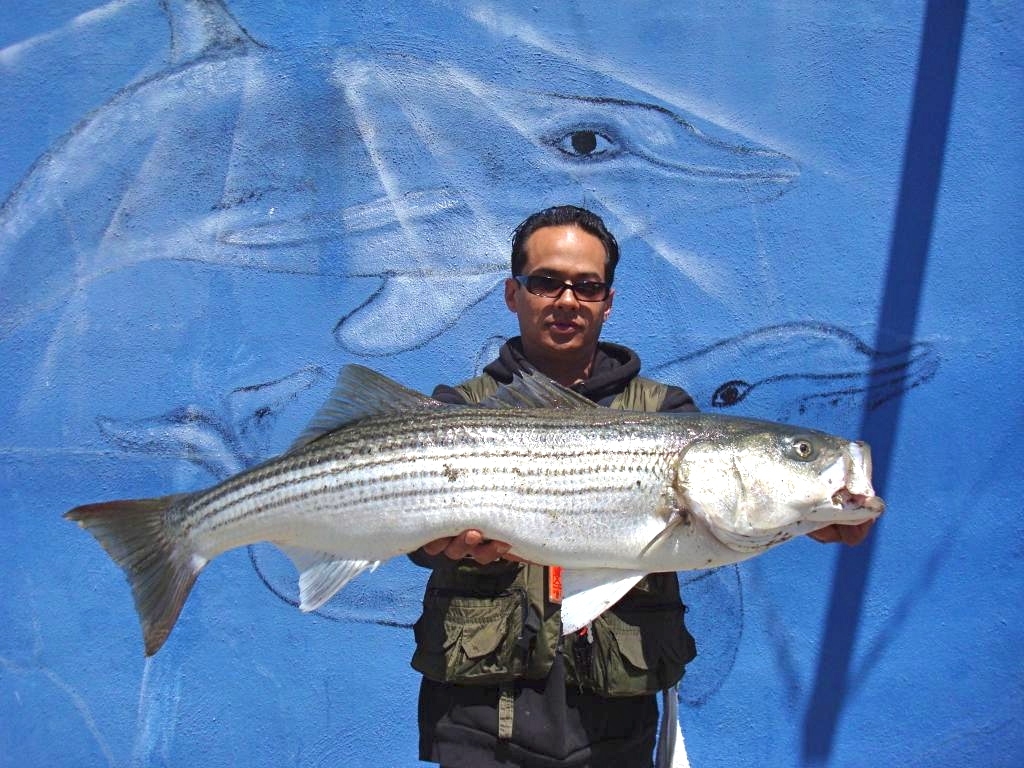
561,216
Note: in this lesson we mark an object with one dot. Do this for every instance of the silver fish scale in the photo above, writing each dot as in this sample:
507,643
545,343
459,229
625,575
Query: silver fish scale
387,484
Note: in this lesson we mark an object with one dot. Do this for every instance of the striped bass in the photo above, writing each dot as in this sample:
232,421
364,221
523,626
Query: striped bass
607,495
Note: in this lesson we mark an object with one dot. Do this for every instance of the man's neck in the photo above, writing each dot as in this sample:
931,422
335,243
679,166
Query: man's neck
566,370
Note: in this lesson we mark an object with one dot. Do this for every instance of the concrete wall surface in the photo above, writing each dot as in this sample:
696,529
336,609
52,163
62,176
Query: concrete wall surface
209,206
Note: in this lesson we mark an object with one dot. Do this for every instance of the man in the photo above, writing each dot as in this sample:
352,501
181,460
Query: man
501,686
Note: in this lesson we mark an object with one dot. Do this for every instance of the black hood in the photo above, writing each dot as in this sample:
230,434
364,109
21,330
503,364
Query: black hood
614,367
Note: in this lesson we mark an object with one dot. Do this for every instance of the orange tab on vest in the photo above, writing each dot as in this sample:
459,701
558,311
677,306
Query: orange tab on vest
555,584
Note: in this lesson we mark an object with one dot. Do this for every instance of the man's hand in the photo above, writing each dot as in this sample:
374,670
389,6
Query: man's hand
847,534
471,544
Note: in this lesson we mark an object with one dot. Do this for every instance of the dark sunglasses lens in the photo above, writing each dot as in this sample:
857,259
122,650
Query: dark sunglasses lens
589,291
543,286
550,288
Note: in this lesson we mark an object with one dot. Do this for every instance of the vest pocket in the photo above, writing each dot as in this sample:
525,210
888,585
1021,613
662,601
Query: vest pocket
636,652
470,638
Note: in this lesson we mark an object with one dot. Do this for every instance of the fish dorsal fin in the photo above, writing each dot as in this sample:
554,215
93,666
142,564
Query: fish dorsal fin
322,574
587,593
359,393
535,390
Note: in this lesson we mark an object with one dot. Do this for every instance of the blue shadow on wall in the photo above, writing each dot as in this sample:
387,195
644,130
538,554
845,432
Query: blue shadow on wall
908,252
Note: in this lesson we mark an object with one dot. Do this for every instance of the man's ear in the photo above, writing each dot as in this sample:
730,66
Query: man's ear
510,293
608,305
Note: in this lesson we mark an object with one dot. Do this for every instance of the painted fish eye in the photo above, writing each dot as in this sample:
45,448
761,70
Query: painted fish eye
586,144
802,449
730,393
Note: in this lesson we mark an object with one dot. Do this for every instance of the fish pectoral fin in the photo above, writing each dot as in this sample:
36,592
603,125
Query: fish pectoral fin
676,516
322,574
589,592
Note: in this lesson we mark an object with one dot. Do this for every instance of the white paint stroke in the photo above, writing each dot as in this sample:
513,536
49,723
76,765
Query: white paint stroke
350,82
706,277
768,308
76,700
444,152
9,56
142,750
170,720
157,715
254,88
72,321
481,91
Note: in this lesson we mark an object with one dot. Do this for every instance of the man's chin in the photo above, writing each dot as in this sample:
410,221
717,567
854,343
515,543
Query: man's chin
564,342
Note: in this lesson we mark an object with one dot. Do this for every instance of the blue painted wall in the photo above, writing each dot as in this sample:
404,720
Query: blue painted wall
208,208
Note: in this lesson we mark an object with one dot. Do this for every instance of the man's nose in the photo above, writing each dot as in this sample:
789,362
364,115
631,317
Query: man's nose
567,297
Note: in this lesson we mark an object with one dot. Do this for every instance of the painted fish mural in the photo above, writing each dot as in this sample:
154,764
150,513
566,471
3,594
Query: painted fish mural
418,172
800,370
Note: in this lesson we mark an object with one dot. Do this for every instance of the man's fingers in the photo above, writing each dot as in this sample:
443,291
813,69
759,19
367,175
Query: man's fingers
457,548
436,546
472,544
472,537
464,544
855,534
851,535
826,535
489,552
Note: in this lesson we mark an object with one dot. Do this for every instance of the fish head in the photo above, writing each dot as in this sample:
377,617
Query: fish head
757,484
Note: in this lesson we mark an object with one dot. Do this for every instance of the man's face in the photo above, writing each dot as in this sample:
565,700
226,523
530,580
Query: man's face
564,325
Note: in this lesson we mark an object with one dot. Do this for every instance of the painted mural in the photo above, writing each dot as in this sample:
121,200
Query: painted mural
209,207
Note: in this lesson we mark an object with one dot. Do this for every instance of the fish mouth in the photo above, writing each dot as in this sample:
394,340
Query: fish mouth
868,506
857,496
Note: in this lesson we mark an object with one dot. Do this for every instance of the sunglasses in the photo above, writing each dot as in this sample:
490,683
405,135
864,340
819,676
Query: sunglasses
552,288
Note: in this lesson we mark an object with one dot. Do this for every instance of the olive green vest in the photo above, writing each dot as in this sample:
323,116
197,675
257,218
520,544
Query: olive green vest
489,624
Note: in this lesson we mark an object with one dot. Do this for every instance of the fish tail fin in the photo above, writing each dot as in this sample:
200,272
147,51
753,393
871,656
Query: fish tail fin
158,566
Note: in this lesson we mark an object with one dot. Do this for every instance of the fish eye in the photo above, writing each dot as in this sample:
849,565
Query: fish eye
586,144
802,449
730,393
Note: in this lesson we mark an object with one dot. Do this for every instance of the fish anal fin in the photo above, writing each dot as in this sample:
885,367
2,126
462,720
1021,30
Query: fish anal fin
587,593
322,574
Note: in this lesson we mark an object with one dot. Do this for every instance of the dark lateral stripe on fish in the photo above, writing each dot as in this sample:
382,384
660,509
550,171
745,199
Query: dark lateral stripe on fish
211,509
401,452
387,460
419,493
536,469
449,431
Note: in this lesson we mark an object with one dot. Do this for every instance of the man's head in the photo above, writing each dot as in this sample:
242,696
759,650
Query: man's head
559,216
571,256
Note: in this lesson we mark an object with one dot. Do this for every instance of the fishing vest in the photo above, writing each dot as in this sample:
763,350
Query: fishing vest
491,624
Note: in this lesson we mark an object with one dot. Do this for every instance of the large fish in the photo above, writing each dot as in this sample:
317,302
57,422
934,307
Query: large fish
608,495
